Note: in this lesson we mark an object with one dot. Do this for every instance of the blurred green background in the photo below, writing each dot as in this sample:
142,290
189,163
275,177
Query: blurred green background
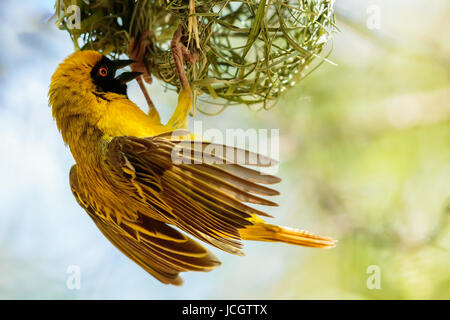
371,155
365,158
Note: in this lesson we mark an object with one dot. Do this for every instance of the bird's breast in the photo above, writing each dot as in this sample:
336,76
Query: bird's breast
123,117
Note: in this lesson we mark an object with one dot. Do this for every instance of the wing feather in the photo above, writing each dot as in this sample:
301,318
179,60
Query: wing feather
205,190
158,248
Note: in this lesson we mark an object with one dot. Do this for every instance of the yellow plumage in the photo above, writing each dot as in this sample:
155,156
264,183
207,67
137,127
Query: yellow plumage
126,181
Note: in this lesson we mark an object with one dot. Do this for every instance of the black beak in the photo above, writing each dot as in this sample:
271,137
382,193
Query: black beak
128,76
125,76
119,64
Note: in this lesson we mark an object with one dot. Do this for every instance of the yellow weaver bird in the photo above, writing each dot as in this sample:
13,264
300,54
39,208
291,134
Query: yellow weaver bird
126,180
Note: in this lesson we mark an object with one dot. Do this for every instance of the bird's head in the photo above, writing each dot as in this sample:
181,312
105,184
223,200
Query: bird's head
84,83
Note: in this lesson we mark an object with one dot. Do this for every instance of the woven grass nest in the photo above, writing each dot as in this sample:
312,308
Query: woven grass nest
250,51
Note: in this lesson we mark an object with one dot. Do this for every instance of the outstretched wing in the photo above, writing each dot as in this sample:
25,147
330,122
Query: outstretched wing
196,186
158,248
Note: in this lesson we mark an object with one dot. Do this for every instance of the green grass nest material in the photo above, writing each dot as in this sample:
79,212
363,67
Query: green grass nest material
250,50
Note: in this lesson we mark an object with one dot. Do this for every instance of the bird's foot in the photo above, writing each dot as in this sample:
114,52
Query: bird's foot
181,53
137,53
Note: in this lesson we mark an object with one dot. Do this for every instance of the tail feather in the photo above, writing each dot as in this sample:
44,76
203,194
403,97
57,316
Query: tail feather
270,232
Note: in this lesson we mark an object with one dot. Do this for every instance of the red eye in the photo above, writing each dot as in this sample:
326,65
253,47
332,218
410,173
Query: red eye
103,72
